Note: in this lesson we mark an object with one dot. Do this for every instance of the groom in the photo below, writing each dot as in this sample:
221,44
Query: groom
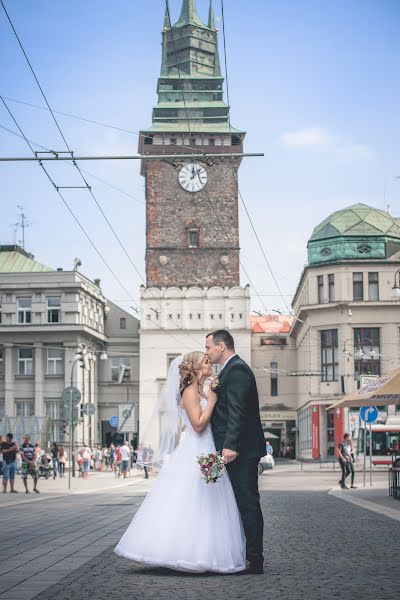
238,434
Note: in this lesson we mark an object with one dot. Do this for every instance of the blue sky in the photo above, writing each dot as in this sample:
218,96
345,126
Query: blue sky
315,85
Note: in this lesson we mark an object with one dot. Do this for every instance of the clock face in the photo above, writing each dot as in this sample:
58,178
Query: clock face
192,177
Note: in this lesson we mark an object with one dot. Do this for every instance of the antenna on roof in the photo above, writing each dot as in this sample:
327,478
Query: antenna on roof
23,224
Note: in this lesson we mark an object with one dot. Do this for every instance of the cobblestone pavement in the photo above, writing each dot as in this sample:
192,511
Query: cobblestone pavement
317,547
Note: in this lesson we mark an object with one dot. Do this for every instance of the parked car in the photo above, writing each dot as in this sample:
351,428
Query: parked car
266,462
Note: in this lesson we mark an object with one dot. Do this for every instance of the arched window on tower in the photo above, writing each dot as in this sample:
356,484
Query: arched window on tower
193,237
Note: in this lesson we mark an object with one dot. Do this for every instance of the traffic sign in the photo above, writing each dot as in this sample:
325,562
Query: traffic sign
126,418
369,414
114,421
71,393
88,409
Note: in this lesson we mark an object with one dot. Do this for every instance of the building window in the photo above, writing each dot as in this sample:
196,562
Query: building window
211,316
329,355
366,351
192,141
1,363
320,285
373,287
331,287
190,316
274,378
211,142
172,141
148,140
122,323
54,309
25,361
24,408
54,409
55,361
193,238
24,310
358,286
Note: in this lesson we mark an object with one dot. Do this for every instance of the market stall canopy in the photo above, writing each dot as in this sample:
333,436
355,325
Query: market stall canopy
381,393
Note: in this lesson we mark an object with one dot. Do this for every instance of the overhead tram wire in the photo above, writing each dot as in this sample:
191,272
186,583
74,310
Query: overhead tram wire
80,172
69,208
205,154
83,230
69,164
235,176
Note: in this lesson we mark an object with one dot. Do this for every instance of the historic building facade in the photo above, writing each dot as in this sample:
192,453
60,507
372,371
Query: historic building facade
347,325
192,230
46,317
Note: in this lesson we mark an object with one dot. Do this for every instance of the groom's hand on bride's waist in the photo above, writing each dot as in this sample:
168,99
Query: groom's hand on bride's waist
229,455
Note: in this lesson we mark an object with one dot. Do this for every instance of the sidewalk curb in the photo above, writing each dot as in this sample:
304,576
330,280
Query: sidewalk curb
391,513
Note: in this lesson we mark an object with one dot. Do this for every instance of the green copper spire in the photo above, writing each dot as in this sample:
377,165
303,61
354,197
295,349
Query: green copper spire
211,19
190,87
189,15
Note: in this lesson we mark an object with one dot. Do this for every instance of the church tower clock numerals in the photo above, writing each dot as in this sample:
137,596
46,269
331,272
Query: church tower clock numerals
193,177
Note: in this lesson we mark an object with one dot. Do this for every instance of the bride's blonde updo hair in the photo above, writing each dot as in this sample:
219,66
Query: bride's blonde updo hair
189,369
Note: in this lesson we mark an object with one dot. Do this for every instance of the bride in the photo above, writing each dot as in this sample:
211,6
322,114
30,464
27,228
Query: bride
184,523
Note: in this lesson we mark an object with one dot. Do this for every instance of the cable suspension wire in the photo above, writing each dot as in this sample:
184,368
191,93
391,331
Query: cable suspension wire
84,231
69,208
87,235
235,176
107,183
83,178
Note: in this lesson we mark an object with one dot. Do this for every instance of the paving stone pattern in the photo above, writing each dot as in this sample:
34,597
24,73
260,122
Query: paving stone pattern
317,548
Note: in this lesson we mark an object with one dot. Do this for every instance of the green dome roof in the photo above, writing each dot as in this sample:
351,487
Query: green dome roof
356,233
358,220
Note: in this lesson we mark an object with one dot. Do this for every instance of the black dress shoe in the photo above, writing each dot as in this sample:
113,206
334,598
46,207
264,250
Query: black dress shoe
253,568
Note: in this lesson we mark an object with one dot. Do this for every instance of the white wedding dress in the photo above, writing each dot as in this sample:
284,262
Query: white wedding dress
184,523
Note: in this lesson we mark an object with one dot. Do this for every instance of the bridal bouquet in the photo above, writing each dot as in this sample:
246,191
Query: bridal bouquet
212,466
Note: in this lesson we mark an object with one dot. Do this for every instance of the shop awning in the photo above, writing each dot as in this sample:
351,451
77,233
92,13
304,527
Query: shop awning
383,392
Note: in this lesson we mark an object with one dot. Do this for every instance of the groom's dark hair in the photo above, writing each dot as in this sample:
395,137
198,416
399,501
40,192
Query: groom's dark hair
221,335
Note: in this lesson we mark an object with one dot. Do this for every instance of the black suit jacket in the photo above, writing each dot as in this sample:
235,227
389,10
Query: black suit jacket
236,422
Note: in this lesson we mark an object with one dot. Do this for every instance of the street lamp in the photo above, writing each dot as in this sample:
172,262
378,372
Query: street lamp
396,285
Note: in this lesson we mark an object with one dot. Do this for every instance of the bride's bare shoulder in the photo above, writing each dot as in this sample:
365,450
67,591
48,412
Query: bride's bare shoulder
190,395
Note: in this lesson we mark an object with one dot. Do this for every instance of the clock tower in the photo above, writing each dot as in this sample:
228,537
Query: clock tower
192,227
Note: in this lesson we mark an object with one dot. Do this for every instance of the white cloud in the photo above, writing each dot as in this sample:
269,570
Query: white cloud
316,138
303,138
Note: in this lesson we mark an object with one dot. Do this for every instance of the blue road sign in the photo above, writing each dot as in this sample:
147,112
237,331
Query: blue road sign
369,414
114,421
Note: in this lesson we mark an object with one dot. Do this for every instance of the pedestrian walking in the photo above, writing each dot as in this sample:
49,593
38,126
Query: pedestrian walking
9,451
106,457
1,454
86,455
268,448
29,467
343,460
54,450
145,458
98,458
351,461
112,457
118,460
125,458
62,459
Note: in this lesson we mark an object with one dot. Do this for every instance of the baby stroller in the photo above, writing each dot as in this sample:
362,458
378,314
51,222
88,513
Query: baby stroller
44,467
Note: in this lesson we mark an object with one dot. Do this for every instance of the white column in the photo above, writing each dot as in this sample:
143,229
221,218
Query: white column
9,381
